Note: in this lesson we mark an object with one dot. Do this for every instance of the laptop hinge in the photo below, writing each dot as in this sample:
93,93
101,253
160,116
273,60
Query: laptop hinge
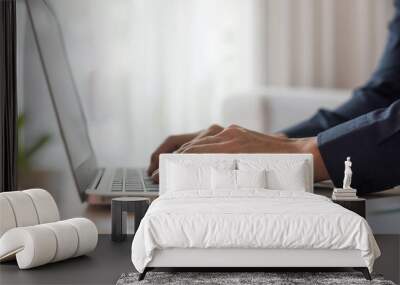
97,179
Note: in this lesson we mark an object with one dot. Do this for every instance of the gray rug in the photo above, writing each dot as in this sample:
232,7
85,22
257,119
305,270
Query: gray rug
231,278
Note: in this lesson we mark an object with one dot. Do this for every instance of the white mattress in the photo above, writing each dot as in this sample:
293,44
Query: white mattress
253,219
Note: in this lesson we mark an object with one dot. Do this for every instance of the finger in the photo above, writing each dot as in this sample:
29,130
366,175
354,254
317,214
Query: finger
210,131
261,135
167,146
192,142
155,158
184,146
258,134
153,166
209,148
208,140
172,143
203,141
155,176
230,133
234,131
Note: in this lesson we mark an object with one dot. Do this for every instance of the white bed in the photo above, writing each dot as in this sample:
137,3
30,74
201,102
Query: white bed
250,228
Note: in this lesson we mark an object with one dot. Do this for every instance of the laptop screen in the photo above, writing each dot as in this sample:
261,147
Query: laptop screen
63,92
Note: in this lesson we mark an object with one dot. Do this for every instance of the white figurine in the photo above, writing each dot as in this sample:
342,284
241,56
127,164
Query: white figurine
347,192
348,173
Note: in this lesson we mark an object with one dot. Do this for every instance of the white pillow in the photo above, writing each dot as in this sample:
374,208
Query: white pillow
187,177
281,175
292,179
251,179
225,179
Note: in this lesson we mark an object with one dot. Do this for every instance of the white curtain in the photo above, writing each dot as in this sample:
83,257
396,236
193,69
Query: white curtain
149,68
324,43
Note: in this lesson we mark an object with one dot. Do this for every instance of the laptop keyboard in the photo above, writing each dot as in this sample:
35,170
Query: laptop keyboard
132,179
118,181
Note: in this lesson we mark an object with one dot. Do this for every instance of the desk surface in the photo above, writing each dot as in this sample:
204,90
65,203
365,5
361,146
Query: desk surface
110,259
102,266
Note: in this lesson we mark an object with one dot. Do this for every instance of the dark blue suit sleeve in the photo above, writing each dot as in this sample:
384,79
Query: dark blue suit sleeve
373,143
380,91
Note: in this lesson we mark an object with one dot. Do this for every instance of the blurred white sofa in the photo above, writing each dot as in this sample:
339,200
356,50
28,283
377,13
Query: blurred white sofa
270,109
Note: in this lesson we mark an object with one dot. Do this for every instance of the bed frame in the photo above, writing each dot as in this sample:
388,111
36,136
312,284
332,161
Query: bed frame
242,258
256,258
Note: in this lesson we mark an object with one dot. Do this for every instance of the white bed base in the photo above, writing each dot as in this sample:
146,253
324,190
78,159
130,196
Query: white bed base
253,258
196,257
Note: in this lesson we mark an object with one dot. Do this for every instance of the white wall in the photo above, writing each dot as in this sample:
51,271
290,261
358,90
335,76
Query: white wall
146,69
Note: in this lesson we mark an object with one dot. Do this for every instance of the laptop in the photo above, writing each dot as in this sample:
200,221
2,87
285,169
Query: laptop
90,179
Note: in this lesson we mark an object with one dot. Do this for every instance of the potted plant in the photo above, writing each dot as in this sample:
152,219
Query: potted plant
29,177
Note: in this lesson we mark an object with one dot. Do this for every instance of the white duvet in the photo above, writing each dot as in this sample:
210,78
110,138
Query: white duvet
251,219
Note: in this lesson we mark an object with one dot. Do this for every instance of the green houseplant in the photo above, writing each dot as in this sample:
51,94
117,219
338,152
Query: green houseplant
27,176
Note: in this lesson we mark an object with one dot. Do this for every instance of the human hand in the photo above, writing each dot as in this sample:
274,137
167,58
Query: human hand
173,143
236,139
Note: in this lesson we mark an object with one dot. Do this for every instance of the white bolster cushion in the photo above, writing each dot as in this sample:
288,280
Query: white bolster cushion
26,208
87,235
40,244
67,240
23,209
7,219
46,207
32,246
